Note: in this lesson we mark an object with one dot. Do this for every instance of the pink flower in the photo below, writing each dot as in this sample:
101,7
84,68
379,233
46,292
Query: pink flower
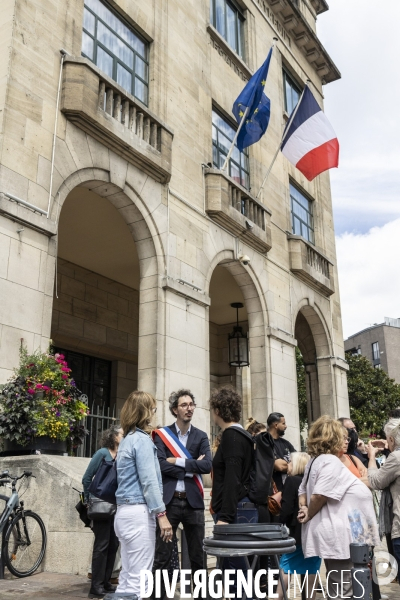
61,356
45,388
58,401
65,369
39,386
64,376
31,391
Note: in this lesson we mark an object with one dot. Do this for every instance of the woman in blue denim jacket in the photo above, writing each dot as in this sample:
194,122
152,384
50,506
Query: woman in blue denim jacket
139,494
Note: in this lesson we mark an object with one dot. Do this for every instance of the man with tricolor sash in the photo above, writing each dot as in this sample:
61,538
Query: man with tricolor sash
184,454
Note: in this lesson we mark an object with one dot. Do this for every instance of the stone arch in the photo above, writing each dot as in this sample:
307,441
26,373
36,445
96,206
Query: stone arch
314,343
130,205
257,322
141,222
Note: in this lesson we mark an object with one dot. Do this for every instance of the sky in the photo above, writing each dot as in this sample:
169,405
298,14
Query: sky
363,39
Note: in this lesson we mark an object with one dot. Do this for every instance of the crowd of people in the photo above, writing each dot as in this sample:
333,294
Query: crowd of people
323,495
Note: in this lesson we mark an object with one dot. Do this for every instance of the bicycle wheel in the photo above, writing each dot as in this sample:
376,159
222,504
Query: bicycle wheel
24,544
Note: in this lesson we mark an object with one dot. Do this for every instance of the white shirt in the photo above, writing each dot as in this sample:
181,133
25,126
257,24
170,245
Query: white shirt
348,516
180,462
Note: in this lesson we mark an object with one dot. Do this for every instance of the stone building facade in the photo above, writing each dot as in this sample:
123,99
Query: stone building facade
120,236
380,343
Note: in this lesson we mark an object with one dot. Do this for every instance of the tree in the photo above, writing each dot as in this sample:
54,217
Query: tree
301,389
372,394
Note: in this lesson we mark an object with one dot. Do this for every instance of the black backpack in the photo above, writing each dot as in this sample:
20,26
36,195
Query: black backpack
260,482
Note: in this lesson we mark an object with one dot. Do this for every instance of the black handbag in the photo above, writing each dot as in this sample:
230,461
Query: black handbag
98,510
104,484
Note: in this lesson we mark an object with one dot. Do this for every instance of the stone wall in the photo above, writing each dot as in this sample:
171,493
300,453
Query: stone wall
97,316
50,495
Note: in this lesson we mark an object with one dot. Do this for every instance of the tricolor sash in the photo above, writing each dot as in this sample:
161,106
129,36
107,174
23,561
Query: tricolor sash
179,451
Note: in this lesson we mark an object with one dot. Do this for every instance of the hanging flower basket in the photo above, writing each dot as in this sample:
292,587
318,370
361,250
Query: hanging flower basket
41,407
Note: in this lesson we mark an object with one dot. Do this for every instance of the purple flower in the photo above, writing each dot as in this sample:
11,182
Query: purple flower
57,414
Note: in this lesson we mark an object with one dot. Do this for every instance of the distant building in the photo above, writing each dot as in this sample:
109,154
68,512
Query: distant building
380,344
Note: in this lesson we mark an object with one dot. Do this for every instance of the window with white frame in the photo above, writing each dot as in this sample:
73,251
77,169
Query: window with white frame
116,48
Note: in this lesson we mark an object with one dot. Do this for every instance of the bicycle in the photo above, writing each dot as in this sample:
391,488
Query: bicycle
24,534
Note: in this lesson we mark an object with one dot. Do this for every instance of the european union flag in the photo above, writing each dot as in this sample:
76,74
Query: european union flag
259,108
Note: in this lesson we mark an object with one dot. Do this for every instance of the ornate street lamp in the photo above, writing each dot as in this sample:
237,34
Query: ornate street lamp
238,343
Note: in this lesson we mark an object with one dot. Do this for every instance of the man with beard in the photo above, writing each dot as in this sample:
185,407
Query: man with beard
184,454
276,427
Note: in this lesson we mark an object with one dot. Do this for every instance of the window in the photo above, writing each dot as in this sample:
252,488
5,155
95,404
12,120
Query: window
115,49
302,217
228,21
222,136
376,355
92,376
292,92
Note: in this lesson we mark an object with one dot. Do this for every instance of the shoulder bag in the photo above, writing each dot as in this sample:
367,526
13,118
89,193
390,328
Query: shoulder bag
104,484
98,510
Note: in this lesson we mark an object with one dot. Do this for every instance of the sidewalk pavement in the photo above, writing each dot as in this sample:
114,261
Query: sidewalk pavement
56,586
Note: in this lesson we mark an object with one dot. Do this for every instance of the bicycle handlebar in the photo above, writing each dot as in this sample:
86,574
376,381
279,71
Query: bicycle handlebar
7,477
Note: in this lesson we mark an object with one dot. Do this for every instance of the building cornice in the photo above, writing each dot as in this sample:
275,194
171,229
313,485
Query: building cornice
285,16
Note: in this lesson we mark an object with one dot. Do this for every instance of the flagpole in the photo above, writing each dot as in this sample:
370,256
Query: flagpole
235,138
279,147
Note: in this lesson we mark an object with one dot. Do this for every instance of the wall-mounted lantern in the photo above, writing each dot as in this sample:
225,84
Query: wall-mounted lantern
238,343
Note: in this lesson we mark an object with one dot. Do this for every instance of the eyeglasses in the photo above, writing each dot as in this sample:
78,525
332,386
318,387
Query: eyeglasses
347,440
185,405
154,410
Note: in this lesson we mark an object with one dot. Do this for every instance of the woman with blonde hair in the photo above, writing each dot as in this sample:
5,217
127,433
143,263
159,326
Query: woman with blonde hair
296,562
139,494
336,508
387,478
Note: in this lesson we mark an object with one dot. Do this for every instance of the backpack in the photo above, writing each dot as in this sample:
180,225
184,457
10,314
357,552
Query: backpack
259,485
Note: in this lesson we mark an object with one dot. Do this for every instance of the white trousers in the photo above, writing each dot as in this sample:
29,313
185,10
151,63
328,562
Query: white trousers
136,530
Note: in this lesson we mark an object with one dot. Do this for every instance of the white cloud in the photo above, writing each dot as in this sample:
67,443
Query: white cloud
362,107
369,276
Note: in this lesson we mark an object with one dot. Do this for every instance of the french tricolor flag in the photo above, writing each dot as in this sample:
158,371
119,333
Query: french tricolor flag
309,141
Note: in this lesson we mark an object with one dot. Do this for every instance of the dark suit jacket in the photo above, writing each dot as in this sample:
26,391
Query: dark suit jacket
197,444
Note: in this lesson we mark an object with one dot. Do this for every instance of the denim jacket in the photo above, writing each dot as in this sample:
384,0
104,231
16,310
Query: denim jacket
138,472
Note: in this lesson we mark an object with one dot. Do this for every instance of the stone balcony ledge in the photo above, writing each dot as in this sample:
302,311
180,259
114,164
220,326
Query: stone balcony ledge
310,265
97,104
235,209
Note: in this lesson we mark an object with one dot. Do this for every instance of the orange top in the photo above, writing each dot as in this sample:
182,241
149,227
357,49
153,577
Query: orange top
351,466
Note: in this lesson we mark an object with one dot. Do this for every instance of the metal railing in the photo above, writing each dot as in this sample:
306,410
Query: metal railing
97,421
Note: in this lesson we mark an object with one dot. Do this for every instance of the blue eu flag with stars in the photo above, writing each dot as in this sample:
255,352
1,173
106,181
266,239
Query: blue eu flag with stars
253,98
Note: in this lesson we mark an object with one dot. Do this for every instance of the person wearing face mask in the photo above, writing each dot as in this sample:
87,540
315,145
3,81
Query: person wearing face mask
276,427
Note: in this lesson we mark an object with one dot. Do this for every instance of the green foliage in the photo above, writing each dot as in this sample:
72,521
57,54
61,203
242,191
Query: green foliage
42,399
301,389
372,394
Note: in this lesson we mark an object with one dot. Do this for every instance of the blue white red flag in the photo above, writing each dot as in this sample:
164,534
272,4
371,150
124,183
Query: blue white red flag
309,141
178,450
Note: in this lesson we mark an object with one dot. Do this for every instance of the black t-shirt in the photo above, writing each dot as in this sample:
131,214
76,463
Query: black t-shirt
282,449
232,464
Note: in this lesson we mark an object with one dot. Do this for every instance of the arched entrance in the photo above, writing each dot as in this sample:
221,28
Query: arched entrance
105,257
96,305
230,283
313,343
